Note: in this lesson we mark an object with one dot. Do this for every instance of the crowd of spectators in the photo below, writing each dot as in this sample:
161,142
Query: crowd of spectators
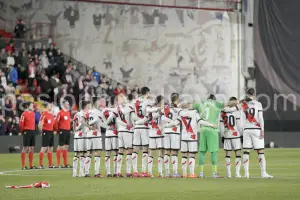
42,69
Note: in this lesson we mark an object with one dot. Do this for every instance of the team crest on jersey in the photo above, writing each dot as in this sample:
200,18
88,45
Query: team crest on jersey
66,117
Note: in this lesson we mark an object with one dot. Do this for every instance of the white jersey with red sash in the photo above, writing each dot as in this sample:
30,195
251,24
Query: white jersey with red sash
252,115
124,118
155,124
140,111
190,124
111,131
230,124
79,120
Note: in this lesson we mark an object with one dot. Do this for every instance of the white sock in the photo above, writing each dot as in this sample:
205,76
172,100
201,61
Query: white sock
87,164
119,163
134,161
175,164
128,163
246,163
228,165
160,165
82,165
184,165
97,160
262,163
75,165
150,164
192,165
167,164
107,164
144,162
237,165
115,164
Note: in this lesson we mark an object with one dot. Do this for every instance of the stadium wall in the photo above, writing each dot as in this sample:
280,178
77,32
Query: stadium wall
279,138
194,52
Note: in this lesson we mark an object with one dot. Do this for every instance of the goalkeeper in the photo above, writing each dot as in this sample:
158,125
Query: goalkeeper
209,137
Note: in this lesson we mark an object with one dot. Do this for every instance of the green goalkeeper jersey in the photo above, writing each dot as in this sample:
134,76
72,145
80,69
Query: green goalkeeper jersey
209,110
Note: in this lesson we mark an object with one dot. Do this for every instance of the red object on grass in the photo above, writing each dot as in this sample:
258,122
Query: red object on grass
40,184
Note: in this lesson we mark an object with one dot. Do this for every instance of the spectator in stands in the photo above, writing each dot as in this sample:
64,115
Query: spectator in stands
52,63
23,69
23,46
15,126
46,87
10,60
89,75
10,48
13,75
3,79
44,60
55,83
96,74
35,49
31,73
59,60
3,60
2,93
8,108
74,73
119,90
94,83
10,89
20,29
19,103
17,58
2,125
9,126
52,50
44,48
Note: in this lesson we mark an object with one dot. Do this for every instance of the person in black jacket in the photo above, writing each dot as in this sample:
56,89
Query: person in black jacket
20,29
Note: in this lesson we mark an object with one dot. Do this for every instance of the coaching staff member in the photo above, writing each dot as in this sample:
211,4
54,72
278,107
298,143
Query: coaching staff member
63,128
27,128
46,126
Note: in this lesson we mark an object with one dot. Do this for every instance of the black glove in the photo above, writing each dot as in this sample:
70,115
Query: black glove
242,140
223,140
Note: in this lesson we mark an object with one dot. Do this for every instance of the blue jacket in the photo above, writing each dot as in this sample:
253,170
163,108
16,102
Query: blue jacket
13,75
97,75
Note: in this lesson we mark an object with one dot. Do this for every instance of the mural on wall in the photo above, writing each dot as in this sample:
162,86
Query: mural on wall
187,51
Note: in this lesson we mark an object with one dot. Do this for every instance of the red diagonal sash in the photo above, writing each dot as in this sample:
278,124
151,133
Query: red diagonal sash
155,126
137,107
229,127
121,114
167,111
250,118
188,128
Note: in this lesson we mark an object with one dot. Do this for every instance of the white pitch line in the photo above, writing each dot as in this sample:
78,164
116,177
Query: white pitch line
31,170
40,175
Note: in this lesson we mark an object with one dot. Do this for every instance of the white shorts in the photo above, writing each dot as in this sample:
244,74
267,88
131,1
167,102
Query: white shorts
251,139
232,144
111,144
79,145
93,143
189,147
172,141
141,137
156,143
125,140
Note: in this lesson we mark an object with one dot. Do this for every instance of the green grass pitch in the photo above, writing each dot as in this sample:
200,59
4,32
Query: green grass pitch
284,164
